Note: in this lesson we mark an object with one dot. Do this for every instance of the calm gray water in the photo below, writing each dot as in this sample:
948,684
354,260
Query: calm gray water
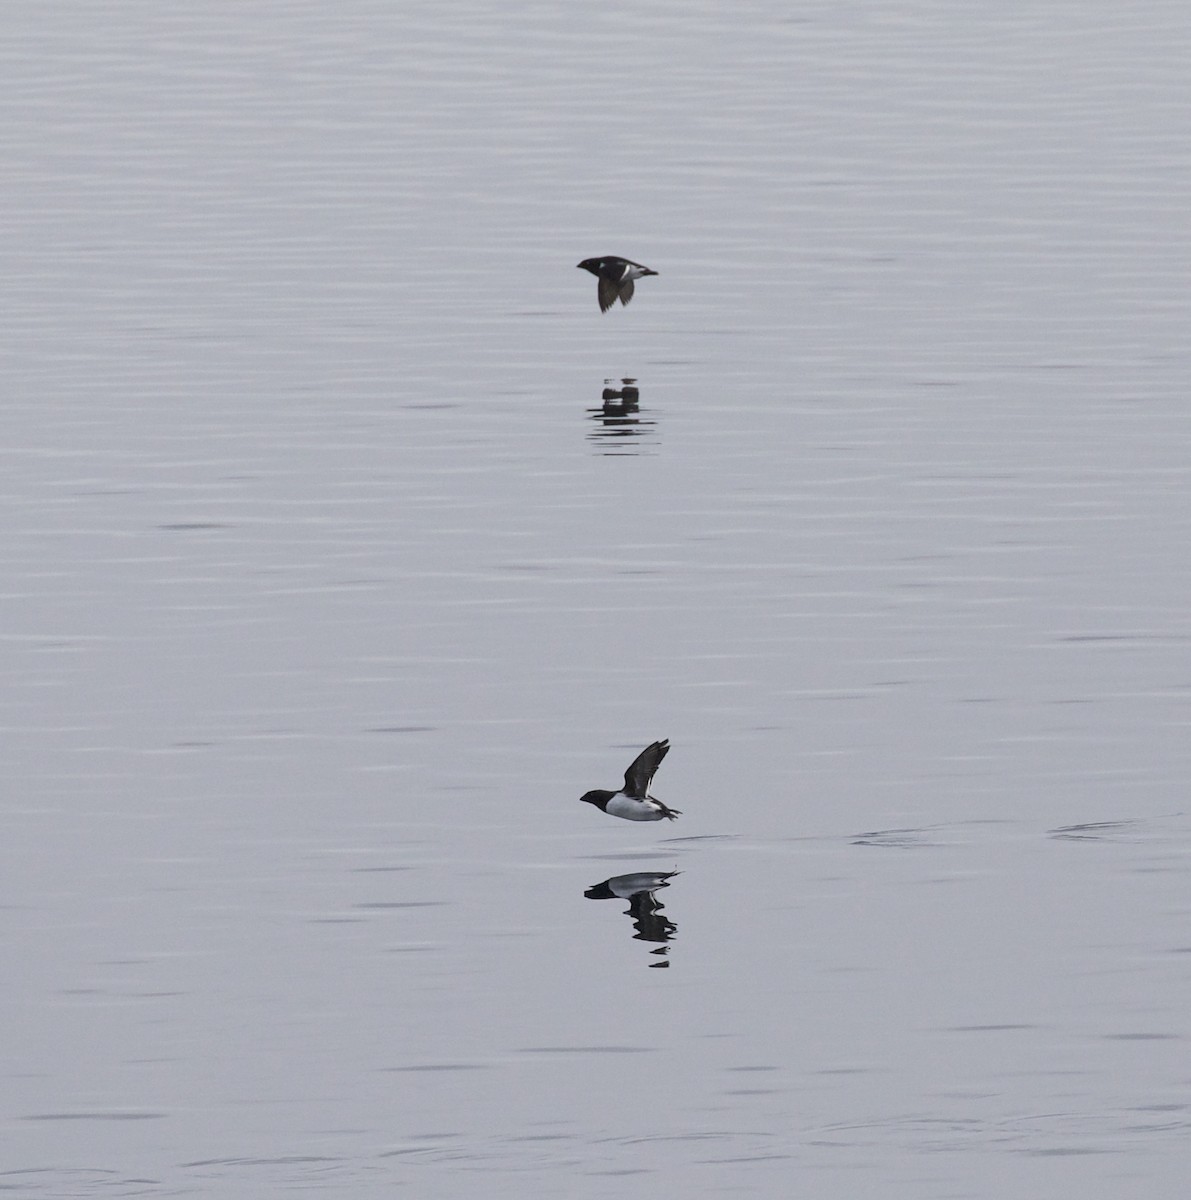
330,583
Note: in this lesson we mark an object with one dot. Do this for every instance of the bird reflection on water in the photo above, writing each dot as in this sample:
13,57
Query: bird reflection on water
644,908
619,427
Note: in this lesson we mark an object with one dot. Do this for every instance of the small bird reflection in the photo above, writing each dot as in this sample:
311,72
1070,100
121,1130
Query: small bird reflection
644,908
619,427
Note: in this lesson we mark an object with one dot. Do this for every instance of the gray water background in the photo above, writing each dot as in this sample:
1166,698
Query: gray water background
328,587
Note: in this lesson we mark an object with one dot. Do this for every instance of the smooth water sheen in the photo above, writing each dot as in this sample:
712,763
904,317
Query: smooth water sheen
333,578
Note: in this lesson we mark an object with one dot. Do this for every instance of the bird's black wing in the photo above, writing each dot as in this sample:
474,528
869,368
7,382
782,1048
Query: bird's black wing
638,776
626,292
608,293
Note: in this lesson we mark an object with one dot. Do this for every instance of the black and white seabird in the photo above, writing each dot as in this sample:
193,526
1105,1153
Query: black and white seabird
633,802
616,277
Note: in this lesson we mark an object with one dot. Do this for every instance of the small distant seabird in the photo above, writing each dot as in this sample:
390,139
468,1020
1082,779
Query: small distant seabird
616,277
633,802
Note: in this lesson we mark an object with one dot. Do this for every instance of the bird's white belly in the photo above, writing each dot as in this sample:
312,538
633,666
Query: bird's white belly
632,810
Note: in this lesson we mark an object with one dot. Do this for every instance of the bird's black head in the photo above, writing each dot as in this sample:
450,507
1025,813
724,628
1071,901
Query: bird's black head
598,798
589,264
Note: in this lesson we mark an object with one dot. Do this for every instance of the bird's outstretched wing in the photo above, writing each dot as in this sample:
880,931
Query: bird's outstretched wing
626,291
638,776
608,293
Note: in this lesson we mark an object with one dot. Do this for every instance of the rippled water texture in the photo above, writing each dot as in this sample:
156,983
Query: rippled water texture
346,544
